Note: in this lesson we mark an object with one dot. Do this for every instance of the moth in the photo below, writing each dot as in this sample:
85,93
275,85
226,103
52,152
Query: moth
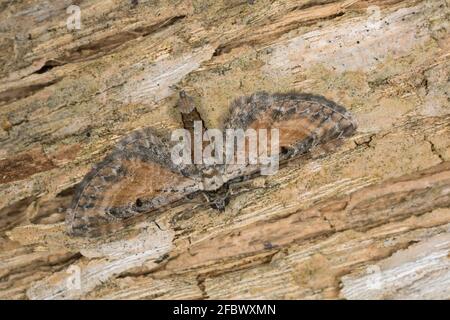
140,177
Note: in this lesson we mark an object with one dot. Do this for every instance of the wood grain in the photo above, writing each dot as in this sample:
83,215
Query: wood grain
367,219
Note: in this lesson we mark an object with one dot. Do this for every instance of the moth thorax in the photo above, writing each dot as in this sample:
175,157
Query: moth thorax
212,180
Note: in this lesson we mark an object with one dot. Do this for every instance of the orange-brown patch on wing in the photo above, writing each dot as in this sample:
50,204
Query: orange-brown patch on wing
292,130
143,180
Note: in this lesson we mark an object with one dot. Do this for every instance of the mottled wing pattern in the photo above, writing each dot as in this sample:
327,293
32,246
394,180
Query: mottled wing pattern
137,177
303,120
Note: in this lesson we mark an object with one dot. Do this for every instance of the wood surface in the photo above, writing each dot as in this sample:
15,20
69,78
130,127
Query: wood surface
369,219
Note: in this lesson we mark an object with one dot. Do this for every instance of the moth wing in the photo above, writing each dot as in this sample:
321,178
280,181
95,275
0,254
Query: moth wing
303,121
137,177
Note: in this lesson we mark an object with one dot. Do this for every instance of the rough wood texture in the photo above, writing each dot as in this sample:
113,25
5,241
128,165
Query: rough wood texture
370,219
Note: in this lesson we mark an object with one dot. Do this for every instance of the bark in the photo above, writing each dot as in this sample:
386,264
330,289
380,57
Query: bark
369,219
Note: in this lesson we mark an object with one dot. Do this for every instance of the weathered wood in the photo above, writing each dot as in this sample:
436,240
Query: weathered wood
368,219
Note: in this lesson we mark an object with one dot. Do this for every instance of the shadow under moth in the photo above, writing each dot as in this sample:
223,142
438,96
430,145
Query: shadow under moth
139,176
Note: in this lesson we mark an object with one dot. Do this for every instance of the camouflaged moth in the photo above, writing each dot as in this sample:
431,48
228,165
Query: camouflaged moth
139,176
